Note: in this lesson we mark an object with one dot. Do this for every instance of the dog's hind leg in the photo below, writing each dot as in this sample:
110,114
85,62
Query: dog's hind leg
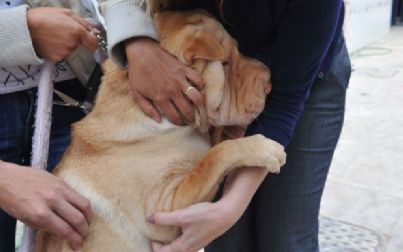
202,181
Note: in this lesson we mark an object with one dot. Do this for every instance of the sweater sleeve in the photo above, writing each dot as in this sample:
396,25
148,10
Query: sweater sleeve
125,19
303,38
16,46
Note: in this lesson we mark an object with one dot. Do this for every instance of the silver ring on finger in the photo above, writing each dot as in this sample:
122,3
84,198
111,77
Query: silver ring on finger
189,90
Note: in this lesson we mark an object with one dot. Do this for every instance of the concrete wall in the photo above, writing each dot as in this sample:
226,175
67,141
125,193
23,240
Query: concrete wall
366,22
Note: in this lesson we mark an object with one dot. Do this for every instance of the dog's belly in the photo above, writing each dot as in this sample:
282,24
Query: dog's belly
128,183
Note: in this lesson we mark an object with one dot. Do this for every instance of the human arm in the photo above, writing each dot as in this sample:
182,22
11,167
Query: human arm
304,36
125,19
15,38
43,201
158,80
203,222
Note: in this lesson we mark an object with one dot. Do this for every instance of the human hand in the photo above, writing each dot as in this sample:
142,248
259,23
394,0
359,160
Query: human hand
57,32
159,81
200,224
203,222
43,201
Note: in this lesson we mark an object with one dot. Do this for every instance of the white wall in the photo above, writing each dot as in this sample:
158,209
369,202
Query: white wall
366,21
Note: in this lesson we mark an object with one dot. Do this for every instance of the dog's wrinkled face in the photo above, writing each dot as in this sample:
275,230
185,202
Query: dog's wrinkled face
198,39
246,87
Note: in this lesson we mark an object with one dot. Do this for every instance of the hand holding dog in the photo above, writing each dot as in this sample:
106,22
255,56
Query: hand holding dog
200,224
43,201
203,222
159,81
57,32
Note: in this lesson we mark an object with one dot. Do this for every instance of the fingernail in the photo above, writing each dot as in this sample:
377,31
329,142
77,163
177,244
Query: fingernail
151,219
94,30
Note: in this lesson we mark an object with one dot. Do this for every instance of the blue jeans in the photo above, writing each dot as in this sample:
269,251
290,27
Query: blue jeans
16,120
283,214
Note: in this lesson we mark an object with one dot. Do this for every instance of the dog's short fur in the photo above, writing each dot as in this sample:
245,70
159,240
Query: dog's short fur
129,166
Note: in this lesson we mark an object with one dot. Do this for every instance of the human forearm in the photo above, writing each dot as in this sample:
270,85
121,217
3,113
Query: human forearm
240,187
125,19
15,38
280,116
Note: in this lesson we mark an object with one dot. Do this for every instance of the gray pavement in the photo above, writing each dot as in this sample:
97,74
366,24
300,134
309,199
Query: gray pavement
365,184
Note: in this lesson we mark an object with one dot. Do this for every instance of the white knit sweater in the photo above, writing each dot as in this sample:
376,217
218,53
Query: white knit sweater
125,19
15,41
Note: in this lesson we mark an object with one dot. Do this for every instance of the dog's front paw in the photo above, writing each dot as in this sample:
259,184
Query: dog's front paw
270,153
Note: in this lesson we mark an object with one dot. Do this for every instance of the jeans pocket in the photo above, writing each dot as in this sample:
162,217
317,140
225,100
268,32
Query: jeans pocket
340,71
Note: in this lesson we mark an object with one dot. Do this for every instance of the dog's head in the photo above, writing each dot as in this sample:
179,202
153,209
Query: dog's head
236,88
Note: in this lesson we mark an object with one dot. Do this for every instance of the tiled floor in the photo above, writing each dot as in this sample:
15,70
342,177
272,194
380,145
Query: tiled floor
365,185
337,236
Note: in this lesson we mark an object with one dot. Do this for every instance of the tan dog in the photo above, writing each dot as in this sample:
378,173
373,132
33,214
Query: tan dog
129,166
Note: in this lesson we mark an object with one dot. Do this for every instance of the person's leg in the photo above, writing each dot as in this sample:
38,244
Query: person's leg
283,215
286,207
15,114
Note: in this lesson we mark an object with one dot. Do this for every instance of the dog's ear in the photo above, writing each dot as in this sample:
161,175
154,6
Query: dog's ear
203,46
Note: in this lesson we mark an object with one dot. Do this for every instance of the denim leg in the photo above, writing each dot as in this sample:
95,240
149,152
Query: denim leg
283,215
15,111
287,205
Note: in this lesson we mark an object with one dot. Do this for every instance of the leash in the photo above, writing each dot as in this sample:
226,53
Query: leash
40,145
